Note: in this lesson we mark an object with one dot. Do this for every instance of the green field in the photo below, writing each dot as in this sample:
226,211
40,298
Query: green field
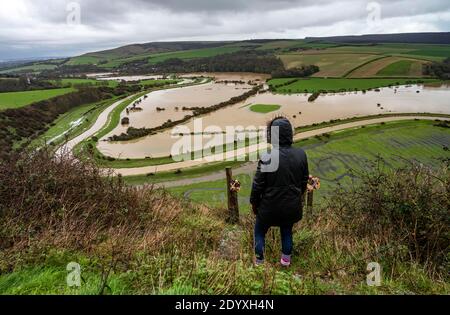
399,68
21,99
83,60
333,84
185,54
264,108
70,82
334,60
344,59
330,64
395,67
422,51
31,68
331,158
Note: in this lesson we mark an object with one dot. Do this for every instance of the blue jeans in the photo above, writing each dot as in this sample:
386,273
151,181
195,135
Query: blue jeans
260,239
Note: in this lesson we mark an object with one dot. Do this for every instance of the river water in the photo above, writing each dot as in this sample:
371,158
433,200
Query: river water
404,99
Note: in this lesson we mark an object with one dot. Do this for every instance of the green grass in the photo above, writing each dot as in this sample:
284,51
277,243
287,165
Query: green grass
433,51
399,68
313,85
421,51
83,60
264,108
330,64
72,82
185,174
31,68
192,54
21,99
50,278
184,54
342,60
331,157
196,273
57,132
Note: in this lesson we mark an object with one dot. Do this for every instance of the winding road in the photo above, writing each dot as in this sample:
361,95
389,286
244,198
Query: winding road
101,121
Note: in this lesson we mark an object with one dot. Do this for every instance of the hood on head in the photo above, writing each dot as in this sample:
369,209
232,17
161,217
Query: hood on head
284,132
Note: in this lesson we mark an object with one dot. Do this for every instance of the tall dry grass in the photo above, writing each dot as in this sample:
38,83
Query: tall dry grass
64,203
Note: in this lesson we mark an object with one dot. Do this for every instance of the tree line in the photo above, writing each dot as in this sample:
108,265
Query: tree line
438,69
242,61
21,125
24,84
299,72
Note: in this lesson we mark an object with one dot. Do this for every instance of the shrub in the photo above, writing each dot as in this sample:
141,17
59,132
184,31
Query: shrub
394,209
67,204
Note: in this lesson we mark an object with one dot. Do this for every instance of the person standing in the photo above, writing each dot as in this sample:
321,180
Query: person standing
280,181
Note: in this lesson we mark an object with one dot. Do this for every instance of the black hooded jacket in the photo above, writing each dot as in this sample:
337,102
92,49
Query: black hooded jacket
280,179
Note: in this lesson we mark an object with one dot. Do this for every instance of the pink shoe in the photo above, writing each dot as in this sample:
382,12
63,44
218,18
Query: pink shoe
285,260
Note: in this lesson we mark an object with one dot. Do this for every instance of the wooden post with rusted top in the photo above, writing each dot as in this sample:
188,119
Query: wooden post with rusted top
309,203
233,206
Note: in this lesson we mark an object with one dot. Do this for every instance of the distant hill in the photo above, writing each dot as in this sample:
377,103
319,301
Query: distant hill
154,47
411,38
424,47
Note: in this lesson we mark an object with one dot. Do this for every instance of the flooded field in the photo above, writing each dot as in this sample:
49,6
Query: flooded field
405,99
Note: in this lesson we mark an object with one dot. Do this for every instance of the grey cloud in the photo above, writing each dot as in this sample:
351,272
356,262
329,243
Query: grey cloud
38,27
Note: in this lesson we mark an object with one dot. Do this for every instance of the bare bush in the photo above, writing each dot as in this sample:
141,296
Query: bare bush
403,209
48,202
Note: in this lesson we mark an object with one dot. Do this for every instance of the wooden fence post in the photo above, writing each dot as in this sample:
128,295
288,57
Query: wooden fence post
309,204
233,206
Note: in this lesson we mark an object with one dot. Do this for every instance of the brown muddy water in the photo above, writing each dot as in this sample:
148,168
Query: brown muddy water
405,99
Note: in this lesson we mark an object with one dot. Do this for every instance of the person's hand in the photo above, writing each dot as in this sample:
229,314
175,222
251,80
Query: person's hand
255,209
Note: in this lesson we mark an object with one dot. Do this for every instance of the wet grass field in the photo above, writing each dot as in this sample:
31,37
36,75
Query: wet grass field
335,157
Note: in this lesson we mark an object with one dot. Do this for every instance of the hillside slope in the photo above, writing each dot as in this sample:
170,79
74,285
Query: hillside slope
412,38
130,241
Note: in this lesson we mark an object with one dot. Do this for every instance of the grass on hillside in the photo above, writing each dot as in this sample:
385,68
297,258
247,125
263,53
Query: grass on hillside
70,82
333,155
264,108
345,59
430,52
31,68
83,60
21,99
130,241
398,68
375,68
330,65
184,54
63,128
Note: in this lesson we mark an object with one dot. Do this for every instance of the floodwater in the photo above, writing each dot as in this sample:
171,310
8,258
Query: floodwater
405,99
173,101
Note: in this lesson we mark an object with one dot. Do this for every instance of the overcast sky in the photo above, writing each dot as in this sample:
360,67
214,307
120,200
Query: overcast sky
35,28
